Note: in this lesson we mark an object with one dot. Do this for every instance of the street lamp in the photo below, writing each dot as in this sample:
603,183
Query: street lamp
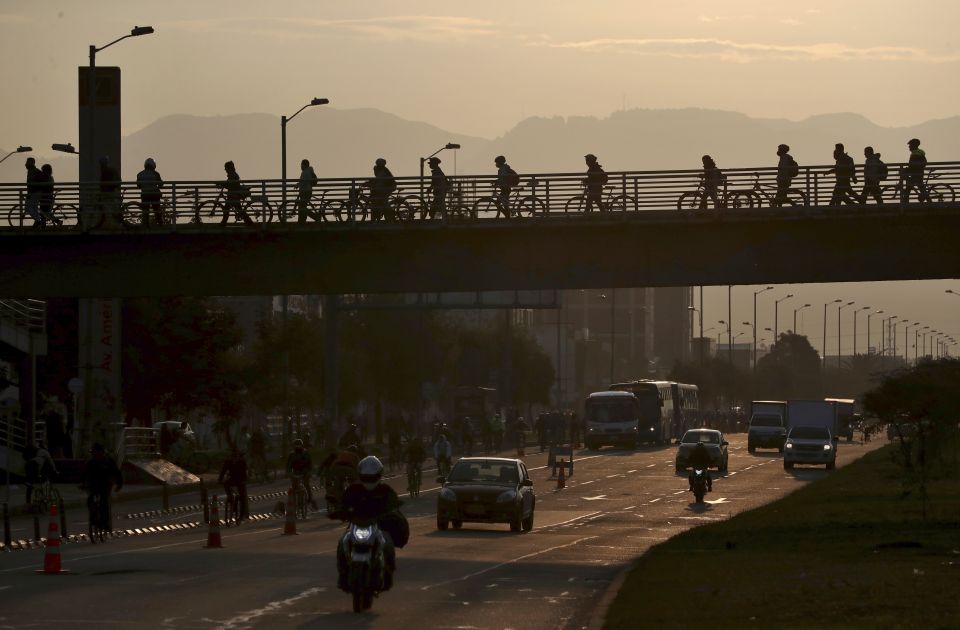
423,160
952,292
795,311
753,350
65,148
856,311
776,322
839,338
825,330
755,294
20,149
283,148
925,329
699,312
729,340
869,315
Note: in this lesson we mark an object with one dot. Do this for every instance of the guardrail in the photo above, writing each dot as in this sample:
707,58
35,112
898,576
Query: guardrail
138,442
470,198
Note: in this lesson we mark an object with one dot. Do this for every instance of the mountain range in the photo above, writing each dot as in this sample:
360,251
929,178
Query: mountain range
344,143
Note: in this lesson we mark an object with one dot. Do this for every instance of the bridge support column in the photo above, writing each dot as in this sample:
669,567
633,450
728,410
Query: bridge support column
331,385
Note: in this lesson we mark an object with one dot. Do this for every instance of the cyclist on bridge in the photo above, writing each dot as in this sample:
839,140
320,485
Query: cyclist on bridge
100,476
299,464
874,171
381,187
507,179
236,193
712,178
308,179
594,183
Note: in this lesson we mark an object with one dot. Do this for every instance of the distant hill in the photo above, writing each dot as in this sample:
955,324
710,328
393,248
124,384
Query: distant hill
341,143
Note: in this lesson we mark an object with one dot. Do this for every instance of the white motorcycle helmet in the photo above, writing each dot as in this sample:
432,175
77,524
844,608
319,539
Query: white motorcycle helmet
370,471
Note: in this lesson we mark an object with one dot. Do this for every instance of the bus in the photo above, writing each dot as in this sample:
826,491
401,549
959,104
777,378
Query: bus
656,408
686,408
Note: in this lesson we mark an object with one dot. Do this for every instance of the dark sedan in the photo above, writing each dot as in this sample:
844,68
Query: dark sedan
487,490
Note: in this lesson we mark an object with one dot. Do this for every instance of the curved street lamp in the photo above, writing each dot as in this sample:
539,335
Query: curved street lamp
795,311
65,148
824,360
776,319
20,149
856,311
869,315
283,148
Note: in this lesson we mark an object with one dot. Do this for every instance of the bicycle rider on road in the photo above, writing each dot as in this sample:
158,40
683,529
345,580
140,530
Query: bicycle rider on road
235,471
299,464
443,453
38,468
100,476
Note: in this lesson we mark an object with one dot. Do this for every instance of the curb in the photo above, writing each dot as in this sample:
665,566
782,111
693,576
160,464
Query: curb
599,615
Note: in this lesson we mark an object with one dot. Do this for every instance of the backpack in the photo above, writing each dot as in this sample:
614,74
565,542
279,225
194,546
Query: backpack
513,178
882,171
793,169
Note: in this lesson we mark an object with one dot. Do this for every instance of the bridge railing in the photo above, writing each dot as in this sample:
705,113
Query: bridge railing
348,200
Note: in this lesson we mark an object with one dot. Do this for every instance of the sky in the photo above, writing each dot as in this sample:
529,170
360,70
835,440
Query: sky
479,67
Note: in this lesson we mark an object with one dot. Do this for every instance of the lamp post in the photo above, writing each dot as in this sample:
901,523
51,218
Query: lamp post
825,330
753,350
795,311
839,338
729,338
887,336
952,292
20,149
776,322
869,315
755,294
924,353
699,312
65,148
283,150
423,160
856,311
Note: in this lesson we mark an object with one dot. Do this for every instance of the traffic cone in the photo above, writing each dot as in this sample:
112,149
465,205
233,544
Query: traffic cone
290,525
51,557
561,478
213,533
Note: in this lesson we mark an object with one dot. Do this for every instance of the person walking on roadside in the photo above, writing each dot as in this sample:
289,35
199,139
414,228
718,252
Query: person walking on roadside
874,172
101,476
233,476
439,186
308,179
596,179
913,174
34,187
845,171
712,178
149,182
787,170
46,195
507,179
236,193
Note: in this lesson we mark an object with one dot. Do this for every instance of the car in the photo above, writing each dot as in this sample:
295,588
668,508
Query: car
487,490
766,431
810,445
712,439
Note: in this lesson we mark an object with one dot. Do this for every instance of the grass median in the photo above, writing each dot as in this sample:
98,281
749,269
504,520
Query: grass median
848,551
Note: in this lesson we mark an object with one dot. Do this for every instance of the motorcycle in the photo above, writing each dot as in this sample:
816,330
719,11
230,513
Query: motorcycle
366,564
699,484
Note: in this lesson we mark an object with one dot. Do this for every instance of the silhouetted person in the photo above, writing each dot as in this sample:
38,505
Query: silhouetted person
34,187
845,171
46,195
381,187
913,174
507,178
594,183
712,178
236,193
149,182
109,192
439,186
787,169
308,179
874,172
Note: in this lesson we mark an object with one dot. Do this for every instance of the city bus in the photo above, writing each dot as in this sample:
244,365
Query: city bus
656,404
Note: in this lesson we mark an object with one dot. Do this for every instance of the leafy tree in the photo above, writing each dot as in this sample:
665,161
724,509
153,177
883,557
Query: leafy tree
790,370
720,383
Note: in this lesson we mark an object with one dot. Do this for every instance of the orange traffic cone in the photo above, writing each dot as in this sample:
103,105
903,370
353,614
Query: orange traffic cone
51,557
290,525
213,533
561,478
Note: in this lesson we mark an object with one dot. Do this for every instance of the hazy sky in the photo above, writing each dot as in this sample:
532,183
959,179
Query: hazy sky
477,67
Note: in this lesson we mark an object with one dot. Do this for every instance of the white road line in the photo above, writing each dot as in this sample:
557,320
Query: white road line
506,563
651,465
655,500
631,471
562,523
587,482
679,492
245,619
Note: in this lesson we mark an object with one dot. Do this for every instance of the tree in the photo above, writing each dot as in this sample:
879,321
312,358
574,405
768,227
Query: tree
720,383
790,370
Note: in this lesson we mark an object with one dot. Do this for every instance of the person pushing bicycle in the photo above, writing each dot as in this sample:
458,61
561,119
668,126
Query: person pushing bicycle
233,476
101,476
299,464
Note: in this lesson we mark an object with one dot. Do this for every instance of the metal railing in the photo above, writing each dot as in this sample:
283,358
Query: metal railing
30,315
191,205
138,443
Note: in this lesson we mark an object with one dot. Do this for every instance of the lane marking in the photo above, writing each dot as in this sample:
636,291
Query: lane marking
655,500
499,565
562,523
651,465
243,620
587,482
596,498
631,471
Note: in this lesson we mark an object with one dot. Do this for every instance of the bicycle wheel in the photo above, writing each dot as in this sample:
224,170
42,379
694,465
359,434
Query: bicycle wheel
211,211
743,200
132,214
259,209
622,203
574,205
689,201
404,210
532,206
941,193
486,208
460,212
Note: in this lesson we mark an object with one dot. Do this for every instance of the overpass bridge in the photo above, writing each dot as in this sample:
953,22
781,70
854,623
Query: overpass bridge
651,231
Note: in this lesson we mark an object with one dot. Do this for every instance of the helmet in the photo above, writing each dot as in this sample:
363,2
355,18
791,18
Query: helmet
370,470
149,163
381,162
298,443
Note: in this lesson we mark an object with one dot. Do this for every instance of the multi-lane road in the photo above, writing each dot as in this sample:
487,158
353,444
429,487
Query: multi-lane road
617,505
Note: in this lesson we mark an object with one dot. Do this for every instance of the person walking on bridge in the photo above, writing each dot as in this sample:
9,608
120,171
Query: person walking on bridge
149,182
712,178
913,174
874,172
507,179
34,186
594,183
308,179
381,187
787,170
845,171
439,186
236,193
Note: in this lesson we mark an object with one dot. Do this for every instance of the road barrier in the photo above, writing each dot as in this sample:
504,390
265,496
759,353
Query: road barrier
213,532
561,478
51,555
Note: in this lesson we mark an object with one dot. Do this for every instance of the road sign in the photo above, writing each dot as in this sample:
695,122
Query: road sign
75,385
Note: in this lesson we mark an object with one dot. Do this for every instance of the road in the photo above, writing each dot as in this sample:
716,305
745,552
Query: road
617,505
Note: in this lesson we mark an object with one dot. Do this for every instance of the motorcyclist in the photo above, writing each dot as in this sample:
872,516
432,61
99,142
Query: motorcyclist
700,460
443,453
299,464
368,500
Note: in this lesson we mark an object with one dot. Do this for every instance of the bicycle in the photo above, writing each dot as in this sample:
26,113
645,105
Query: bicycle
443,467
938,193
44,495
414,479
231,505
133,211
60,213
255,207
528,205
98,518
360,204
299,496
611,203
261,471
697,199
755,197
317,208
